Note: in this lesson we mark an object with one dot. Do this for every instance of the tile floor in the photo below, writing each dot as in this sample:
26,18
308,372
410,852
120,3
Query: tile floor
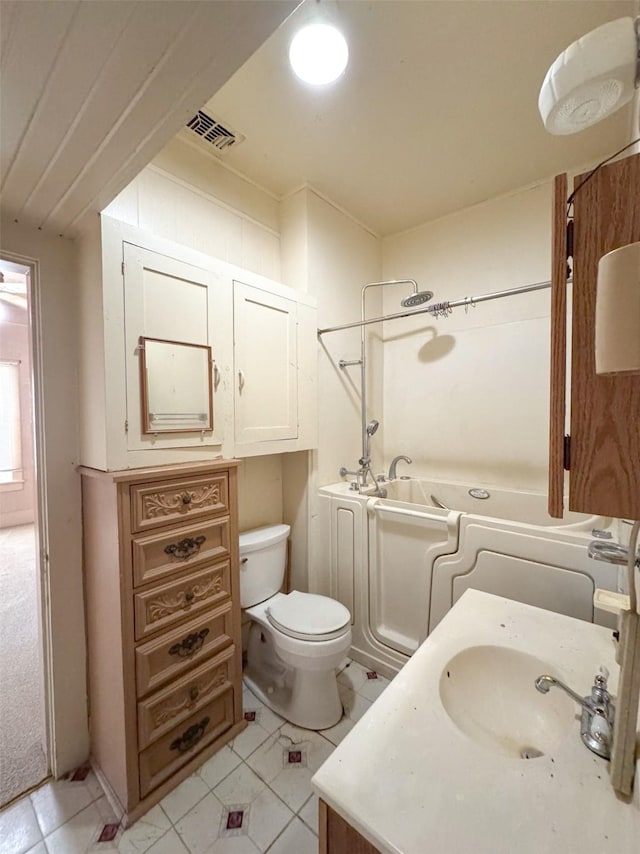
253,796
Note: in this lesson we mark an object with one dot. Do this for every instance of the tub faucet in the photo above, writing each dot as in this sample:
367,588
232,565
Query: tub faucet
360,482
598,712
394,463
609,552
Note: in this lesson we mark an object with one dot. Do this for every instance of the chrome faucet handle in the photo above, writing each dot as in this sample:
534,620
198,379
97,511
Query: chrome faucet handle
598,712
609,552
343,472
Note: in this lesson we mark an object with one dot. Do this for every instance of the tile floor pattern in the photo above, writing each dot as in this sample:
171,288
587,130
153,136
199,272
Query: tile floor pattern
253,796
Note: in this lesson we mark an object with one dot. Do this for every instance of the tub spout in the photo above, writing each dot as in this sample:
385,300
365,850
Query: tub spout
394,464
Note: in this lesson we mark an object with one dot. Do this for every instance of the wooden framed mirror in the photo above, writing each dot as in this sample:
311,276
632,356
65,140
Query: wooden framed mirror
176,386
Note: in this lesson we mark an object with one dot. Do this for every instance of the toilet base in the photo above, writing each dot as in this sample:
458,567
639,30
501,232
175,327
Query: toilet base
306,698
295,707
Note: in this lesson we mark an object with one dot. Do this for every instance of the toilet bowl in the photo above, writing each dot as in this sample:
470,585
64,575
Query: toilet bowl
296,640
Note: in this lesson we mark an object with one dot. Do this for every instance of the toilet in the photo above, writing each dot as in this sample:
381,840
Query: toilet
296,640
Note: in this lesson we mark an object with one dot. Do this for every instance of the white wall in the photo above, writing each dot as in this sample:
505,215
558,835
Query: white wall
54,290
330,256
187,196
467,396
343,256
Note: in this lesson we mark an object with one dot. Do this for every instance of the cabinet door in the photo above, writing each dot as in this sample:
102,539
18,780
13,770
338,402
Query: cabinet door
265,365
605,439
169,299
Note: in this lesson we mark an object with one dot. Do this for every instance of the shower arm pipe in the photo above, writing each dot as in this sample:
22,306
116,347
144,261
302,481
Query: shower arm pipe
464,301
365,461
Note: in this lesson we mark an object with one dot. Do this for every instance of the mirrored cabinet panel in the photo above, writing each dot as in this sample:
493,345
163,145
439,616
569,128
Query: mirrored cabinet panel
176,384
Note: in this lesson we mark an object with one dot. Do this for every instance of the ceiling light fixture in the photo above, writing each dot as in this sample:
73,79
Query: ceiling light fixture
318,54
592,78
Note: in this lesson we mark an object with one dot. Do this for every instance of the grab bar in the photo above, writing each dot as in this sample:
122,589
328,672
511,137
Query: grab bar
373,505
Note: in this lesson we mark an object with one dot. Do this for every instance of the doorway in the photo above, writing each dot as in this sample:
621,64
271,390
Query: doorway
24,753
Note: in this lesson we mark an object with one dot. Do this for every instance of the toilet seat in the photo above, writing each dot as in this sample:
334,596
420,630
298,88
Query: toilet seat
309,617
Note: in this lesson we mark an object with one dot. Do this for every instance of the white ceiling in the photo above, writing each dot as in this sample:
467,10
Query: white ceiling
93,89
437,109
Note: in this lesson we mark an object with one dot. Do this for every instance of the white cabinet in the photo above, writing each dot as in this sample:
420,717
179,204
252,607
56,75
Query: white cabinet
265,362
168,299
262,337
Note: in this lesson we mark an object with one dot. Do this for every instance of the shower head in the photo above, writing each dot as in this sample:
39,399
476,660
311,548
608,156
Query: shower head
417,299
372,426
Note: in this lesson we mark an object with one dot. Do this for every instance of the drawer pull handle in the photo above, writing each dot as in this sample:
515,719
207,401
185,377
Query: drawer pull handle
194,693
185,548
190,737
186,498
190,645
189,596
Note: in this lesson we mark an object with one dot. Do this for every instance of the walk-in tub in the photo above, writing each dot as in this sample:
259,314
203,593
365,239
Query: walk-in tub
399,563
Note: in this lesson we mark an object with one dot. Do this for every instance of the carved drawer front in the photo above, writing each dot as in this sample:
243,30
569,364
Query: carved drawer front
162,553
184,741
170,655
169,707
155,504
166,604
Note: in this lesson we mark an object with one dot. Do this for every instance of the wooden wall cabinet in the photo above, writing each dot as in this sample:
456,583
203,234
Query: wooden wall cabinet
602,451
163,625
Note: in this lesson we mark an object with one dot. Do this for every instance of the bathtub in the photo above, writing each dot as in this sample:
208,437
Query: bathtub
400,562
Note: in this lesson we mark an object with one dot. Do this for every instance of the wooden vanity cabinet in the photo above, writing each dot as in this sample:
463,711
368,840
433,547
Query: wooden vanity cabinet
163,624
602,448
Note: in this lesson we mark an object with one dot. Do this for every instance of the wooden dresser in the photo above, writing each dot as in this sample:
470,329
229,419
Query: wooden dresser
162,604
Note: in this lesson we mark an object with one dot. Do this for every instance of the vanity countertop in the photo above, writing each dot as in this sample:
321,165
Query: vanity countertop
408,780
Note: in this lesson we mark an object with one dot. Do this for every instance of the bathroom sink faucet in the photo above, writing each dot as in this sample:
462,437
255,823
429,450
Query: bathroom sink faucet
598,712
394,464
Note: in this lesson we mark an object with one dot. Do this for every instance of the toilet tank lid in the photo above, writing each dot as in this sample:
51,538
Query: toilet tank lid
260,538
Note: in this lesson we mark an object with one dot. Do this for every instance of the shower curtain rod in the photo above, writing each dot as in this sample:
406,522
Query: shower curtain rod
442,307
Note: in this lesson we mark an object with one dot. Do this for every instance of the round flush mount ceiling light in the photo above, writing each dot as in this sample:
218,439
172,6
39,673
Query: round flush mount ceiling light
318,54
592,78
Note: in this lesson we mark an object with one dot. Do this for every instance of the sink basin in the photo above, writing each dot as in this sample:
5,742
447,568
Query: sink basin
489,694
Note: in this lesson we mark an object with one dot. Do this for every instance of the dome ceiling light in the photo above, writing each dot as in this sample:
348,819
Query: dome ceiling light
318,54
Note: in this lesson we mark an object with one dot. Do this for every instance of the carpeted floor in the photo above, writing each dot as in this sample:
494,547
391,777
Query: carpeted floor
23,754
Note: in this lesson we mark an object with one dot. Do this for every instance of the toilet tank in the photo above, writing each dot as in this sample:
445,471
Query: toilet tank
263,557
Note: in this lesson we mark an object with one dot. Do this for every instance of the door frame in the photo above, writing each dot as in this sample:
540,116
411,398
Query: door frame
31,266
58,658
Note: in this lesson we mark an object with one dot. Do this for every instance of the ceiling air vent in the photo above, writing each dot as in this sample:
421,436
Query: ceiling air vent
214,132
